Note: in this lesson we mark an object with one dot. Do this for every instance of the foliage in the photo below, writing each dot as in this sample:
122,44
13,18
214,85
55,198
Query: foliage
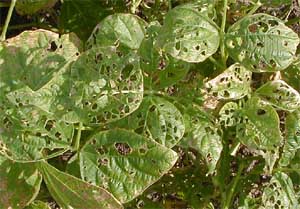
117,105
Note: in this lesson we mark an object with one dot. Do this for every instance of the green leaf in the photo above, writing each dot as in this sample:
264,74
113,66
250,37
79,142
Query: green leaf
280,94
280,193
161,70
29,134
228,115
123,30
106,85
156,119
124,163
233,83
262,43
292,75
19,184
188,35
30,7
203,135
259,128
292,138
71,192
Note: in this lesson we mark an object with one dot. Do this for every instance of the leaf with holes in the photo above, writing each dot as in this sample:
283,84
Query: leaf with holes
203,135
124,163
262,43
30,134
292,138
19,183
280,94
71,192
280,193
106,85
228,114
188,35
122,30
157,119
29,7
259,127
161,70
233,83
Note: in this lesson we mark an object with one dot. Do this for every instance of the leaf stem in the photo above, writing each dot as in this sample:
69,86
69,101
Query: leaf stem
8,17
78,137
232,189
223,26
255,7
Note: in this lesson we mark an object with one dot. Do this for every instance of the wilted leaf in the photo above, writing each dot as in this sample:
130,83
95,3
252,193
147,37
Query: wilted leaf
188,35
233,83
203,135
71,192
259,128
124,163
262,43
122,30
19,184
279,193
156,119
280,94
106,85
292,138
29,7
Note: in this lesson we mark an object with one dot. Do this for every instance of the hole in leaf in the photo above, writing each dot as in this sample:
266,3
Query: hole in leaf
259,44
260,112
102,161
273,23
177,45
142,150
53,46
273,63
123,148
197,47
252,28
101,150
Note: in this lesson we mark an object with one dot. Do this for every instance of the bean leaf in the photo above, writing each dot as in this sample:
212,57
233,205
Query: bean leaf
233,83
262,43
188,35
71,192
19,183
280,94
124,163
157,119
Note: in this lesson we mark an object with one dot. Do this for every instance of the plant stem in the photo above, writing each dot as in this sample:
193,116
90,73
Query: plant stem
223,25
170,4
77,140
8,17
216,63
232,189
255,7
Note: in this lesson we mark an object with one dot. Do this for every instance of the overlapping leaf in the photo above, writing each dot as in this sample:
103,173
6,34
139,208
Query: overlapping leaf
292,138
203,135
106,85
19,183
123,30
157,119
262,43
71,192
233,83
188,35
259,128
124,163
228,115
280,94
31,75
